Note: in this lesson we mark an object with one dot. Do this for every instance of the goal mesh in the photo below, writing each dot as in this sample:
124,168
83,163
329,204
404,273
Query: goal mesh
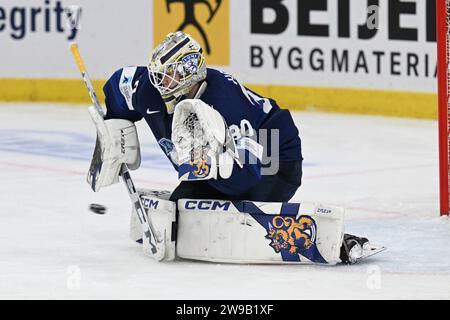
443,44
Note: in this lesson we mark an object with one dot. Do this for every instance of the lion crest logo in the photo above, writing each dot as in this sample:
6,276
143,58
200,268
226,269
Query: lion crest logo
294,235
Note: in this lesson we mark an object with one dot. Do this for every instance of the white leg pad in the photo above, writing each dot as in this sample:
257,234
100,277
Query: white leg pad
162,213
256,232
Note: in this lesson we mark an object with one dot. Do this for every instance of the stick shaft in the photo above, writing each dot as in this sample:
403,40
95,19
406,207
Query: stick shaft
153,243
81,66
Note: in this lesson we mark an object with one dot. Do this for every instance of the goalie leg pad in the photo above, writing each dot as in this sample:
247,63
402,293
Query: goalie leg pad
162,213
257,232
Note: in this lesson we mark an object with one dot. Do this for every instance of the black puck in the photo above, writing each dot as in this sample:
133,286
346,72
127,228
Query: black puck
97,208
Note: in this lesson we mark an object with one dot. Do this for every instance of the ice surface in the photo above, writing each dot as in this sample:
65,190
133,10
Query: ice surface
384,171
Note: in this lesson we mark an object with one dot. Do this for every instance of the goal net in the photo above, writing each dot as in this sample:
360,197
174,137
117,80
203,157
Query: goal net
443,37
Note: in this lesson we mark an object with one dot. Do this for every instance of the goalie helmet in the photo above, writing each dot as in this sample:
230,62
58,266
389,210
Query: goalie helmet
176,65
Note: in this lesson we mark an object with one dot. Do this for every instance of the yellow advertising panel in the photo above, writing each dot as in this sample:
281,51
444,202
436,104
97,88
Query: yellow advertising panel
208,21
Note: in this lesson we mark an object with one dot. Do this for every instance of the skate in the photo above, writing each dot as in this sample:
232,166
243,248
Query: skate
355,249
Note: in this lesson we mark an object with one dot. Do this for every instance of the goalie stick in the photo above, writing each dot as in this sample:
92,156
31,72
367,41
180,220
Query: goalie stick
152,245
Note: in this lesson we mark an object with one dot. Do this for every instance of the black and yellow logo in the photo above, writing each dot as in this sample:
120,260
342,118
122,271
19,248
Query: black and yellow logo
206,20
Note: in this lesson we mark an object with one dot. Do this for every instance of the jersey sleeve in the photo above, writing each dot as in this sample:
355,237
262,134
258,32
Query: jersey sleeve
251,119
243,111
119,91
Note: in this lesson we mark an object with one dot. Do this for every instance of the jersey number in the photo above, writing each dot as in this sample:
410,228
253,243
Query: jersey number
246,130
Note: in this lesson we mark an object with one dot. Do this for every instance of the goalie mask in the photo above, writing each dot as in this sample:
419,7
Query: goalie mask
176,65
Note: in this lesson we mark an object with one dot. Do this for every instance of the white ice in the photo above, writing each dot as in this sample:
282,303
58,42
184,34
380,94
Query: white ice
384,171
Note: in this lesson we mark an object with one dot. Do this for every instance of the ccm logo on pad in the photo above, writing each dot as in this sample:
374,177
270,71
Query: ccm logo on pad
149,203
207,205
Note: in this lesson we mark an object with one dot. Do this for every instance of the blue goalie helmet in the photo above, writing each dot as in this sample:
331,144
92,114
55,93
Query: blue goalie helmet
176,65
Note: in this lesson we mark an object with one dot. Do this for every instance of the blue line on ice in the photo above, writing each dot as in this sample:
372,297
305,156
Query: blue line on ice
73,146
68,145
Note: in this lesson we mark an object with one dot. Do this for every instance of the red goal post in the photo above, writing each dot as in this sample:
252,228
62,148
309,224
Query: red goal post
443,56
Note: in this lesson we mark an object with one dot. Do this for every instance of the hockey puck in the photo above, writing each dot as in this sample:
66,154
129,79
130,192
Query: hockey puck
97,208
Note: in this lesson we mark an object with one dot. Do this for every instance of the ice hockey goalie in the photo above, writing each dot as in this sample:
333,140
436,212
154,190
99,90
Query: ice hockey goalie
239,161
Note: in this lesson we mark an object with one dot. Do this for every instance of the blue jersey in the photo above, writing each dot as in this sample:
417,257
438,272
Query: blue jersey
130,95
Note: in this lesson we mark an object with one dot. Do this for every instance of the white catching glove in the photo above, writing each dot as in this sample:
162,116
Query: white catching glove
117,143
203,142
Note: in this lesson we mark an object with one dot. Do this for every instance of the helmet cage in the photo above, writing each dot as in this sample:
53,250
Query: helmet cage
172,77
